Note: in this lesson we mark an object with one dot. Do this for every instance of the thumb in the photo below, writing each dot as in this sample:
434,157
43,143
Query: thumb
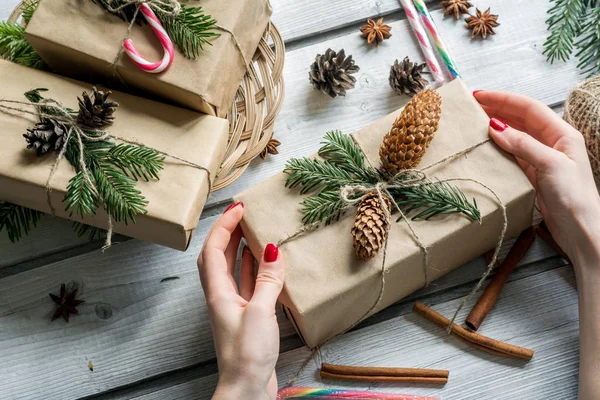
269,279
522,145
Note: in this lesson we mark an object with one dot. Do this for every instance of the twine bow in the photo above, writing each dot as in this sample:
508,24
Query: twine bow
66,118
352,195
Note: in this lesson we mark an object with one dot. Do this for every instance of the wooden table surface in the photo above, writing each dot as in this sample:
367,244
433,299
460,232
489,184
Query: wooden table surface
150,339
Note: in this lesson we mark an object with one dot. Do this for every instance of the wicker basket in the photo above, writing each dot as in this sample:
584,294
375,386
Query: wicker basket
253,112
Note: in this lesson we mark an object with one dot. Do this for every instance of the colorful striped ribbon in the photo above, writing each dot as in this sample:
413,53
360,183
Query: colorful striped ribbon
163,37
434,34
296,392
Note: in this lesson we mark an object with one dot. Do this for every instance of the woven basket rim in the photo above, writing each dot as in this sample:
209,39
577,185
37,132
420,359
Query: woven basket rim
252,114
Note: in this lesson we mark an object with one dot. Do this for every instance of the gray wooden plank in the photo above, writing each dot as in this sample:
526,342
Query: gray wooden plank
132,326
539,312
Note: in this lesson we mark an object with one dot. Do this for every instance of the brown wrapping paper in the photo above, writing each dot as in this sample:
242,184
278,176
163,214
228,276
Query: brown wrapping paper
327,289
78,38
175,201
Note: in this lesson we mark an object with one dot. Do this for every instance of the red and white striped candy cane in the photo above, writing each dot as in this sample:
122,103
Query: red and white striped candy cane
161,34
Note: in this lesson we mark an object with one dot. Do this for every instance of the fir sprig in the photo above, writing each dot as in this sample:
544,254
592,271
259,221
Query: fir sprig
190,30
433,198
15,47
570,19
343,164
17,220
28,7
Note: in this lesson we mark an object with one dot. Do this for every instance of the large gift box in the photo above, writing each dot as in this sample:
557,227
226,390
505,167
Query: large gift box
175,201
327,288
80,39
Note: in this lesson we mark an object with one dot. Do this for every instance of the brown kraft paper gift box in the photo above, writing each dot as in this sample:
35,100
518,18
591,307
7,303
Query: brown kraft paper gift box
175,201
327,289
80,39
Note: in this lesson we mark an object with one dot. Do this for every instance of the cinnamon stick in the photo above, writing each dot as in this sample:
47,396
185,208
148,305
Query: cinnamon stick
544,233
382,374
388,379
490,295
474,339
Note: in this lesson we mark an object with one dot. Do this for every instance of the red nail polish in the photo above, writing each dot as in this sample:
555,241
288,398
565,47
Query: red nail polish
476,91
271,252
498,125
239,203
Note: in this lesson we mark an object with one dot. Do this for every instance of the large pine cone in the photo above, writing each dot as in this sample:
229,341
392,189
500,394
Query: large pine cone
371,226
95,111
331,73
406,77
405,144
45,136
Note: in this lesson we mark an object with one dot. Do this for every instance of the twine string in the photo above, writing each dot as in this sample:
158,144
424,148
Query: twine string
66,118
351,195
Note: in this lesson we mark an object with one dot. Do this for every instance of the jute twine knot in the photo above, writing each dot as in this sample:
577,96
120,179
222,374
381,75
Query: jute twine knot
582,111
171,8
69,121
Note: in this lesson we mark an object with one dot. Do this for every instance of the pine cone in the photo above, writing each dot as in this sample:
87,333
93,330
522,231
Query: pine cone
45,136
95,112
371,226
331,73
405,77
404,145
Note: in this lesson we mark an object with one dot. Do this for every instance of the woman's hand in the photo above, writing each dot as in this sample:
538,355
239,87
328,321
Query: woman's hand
553,155
242,317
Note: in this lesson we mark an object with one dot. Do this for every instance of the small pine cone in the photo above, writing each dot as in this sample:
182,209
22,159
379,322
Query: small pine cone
331,73
95,111
45,136
406,77
371,226
405,144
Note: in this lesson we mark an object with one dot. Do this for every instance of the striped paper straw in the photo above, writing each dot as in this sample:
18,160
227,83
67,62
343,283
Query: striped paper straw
295,392
419,30
436,37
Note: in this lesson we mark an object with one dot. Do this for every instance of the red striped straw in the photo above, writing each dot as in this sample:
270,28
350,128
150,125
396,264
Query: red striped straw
421,34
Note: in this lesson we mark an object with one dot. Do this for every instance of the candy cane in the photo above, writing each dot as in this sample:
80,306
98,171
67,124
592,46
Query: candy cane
162,35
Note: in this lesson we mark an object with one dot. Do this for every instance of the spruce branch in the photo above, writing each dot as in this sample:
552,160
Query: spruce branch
28,7
343,152
17,220
92,232
589,43
139,162
325,206
313,174
81,198
15,47
432,198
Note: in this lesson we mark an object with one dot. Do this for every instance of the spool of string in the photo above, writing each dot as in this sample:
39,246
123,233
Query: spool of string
582,111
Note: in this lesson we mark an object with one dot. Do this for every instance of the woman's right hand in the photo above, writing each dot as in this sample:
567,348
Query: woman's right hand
553,156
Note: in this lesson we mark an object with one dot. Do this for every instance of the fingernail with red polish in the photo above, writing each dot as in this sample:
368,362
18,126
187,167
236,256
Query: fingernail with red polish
239,203
271,252
498,125
476,91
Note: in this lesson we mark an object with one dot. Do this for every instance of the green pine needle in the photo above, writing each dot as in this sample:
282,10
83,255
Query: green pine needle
15,47
589,44
17,220
28,8
324,207
81,198
312,174
139,162
341,151
92,232
434,198
190,30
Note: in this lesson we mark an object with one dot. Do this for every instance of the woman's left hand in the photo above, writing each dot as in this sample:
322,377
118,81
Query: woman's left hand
242,317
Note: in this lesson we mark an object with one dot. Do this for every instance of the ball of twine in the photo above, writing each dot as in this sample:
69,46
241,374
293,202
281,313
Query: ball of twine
582,111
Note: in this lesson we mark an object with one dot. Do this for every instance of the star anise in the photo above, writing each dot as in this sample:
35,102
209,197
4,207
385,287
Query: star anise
482,24
66,303
375,32
270,148
455,7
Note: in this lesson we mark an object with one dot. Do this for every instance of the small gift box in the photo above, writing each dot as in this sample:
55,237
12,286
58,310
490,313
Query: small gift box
328,290
80,39
191,144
